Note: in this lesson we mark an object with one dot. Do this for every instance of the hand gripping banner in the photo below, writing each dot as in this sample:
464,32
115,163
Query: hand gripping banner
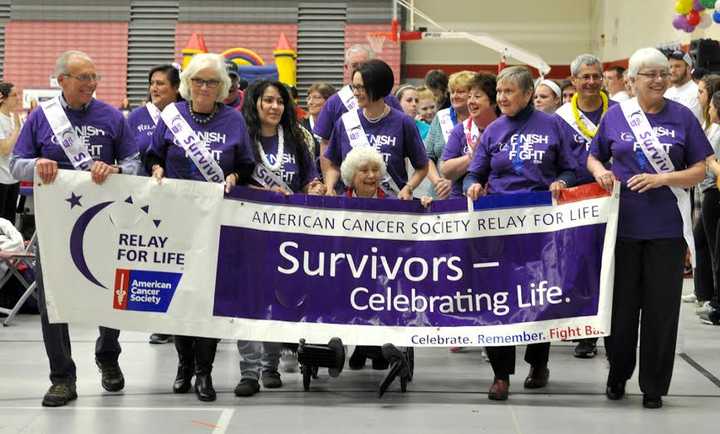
181,257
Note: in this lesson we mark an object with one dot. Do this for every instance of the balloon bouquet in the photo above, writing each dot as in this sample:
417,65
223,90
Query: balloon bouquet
691,14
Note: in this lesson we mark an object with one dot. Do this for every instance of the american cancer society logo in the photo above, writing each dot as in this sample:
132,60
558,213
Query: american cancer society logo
147,267
148,291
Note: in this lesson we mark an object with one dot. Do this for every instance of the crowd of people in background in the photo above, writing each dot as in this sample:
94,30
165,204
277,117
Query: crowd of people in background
450,137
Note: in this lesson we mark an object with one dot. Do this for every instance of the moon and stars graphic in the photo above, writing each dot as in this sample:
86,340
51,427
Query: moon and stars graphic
77,236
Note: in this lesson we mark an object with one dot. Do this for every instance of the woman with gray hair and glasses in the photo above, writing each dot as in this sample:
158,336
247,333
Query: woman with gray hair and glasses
658,149
200,139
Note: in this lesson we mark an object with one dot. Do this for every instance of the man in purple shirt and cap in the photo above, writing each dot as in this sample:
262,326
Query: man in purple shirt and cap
103,144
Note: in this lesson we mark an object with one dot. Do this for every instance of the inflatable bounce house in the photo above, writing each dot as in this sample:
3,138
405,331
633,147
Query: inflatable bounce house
250,65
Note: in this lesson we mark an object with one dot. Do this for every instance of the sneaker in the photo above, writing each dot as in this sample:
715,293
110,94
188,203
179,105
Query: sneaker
157,338
271,380
59,394
712,318
112,376
689,298
586,349
484,355
288,361
247,387
456,349
705,308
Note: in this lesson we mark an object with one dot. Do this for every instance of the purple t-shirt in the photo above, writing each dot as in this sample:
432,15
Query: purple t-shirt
225,135
524,153
394,136
142,125
580,146
334,108
290,168
653,214
102,127
456,146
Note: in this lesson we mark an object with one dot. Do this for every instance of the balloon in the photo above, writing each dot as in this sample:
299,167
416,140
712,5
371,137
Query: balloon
698,6
717,5
680,21
683,6
689,28
716,16
710,4
705,21
693,18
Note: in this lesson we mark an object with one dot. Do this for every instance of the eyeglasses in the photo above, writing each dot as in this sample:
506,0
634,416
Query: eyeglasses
357,87
199,82
85,78
655,75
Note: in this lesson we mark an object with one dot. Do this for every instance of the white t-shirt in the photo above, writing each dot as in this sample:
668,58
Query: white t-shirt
687,95
620,96
6,130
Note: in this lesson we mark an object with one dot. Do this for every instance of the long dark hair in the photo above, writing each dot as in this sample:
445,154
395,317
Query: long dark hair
288,120
5,89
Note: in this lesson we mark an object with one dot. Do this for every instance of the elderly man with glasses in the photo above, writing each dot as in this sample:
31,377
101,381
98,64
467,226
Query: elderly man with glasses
103,144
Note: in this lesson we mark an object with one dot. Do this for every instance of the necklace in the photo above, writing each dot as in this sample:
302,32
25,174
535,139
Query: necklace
377,119
576,114
280,152
206,119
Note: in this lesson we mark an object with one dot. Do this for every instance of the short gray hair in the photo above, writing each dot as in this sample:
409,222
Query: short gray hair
355,158
519,75
63,61
359,48
646,57
200,62
582,60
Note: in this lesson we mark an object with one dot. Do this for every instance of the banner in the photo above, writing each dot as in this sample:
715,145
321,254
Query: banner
180,257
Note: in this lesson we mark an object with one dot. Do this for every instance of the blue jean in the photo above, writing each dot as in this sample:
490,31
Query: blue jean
257,357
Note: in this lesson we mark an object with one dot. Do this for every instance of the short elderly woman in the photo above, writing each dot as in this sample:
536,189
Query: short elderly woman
502,164
204,84
654,215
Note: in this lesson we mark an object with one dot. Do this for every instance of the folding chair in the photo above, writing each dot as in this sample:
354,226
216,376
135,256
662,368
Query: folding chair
13,261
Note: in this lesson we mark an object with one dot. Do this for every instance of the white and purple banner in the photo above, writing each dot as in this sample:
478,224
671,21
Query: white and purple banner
181,257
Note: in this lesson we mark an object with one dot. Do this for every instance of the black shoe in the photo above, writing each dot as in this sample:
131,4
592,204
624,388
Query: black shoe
537,377
357,360
615,391
247,387
271,380
183,379
652,401
59,394
112,376
586,349
157,338
204,388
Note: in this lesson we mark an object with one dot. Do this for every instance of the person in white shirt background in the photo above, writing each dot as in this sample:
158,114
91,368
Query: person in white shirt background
10,125
615,83
683,89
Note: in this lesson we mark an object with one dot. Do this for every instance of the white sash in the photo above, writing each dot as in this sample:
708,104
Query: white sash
154,112
191,143
357,137
348,98
268,179
446,123
472,133
565,112
660,161
74,148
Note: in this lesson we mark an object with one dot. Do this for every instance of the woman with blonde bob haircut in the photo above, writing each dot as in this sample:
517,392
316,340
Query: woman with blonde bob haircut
654,218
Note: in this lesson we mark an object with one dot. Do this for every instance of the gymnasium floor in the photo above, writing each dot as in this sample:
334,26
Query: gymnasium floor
448,394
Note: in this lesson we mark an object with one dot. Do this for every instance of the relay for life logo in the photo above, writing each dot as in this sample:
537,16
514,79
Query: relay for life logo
141,259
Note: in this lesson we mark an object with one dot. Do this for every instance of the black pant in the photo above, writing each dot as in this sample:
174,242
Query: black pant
57,341
196,353
710,217
703,273
8,201
648,284
502,359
